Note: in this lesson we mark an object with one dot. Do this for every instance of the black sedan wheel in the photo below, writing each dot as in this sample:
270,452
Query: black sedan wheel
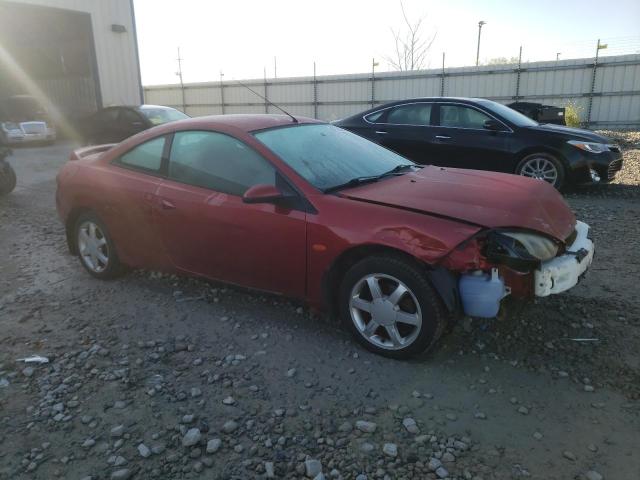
542,166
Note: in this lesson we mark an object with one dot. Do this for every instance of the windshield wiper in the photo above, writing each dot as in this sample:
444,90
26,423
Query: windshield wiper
371,178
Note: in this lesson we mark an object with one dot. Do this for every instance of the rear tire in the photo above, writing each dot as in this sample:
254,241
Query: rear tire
7,179
96,250
543,166
400,317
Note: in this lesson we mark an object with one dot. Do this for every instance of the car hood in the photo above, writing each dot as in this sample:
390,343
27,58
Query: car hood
571,133
486,199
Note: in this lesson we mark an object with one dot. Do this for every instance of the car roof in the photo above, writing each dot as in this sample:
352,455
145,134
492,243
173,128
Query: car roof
244,122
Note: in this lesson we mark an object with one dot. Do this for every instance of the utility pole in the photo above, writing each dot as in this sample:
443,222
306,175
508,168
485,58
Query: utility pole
275,68
558,56
480,24
221,92
179,74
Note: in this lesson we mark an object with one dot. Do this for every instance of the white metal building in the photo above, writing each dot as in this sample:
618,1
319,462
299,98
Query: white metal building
81,54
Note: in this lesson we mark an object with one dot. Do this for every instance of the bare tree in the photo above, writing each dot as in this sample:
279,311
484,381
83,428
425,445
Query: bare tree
411,46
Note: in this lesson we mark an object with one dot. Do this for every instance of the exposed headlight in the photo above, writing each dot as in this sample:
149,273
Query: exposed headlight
537,246
590,147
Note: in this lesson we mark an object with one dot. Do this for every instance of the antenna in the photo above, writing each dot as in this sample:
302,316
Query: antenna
294,119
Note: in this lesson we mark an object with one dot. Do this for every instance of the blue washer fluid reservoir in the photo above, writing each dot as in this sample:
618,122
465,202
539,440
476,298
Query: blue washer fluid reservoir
481,293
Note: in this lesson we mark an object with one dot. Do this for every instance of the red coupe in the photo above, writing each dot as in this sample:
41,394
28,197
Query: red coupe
306,209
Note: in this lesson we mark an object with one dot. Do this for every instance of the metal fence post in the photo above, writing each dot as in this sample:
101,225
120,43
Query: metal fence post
222,92
518,75
442,78
266,104
373,82
315,92
593,83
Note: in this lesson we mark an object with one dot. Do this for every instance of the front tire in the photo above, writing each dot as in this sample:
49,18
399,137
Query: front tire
7,178
543,166
390,307
96,249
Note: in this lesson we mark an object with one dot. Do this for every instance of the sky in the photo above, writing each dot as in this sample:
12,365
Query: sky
241,37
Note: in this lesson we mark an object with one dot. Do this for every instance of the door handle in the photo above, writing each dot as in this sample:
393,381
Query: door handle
167,205
381,132
443,137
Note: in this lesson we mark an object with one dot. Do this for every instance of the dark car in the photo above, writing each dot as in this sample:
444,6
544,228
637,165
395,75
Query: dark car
114,124
308,210
485,135
540,112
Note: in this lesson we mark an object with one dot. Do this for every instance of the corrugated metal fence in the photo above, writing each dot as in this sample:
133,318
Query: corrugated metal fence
606,93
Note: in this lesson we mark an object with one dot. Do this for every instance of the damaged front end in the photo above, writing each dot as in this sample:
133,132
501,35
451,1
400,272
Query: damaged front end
495,263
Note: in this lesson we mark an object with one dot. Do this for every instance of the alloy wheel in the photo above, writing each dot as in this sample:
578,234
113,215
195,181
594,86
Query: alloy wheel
385,311
93,246
540,168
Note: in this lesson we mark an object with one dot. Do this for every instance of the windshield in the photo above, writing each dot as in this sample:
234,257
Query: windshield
158,116
509,114
327,156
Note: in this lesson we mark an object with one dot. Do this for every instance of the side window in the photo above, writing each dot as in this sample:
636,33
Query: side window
108,116
147,156
129,117
462,117
413,114
374,117
218,162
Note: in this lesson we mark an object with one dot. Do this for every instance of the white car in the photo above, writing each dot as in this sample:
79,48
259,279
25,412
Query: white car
36,131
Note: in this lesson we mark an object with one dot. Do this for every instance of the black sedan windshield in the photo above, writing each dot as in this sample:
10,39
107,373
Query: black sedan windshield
158,116
328,156
509,114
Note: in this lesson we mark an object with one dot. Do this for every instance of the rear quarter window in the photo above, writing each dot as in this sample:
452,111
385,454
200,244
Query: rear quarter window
146,156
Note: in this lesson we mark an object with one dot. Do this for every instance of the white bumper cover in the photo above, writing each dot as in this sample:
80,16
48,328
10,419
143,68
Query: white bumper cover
563,272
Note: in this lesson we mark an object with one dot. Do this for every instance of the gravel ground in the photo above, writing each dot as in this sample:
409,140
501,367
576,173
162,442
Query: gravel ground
152,376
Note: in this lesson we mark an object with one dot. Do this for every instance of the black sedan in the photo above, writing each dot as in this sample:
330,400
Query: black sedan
485,135
114,124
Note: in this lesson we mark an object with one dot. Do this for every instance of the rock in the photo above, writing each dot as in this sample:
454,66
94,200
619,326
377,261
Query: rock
448,457
390,449
366,427
230,426
320,476
593,475
122,474
213,445
229,401
410,425
523,410
480,416
144,451
269,470
28,372
192,437
569,455
442,472
88,443
291,372
312,467
537,435
366,447
434,464
452,417
117,431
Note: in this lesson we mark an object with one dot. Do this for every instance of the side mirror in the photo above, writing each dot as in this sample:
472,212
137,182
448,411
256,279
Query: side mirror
492,125
263,193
